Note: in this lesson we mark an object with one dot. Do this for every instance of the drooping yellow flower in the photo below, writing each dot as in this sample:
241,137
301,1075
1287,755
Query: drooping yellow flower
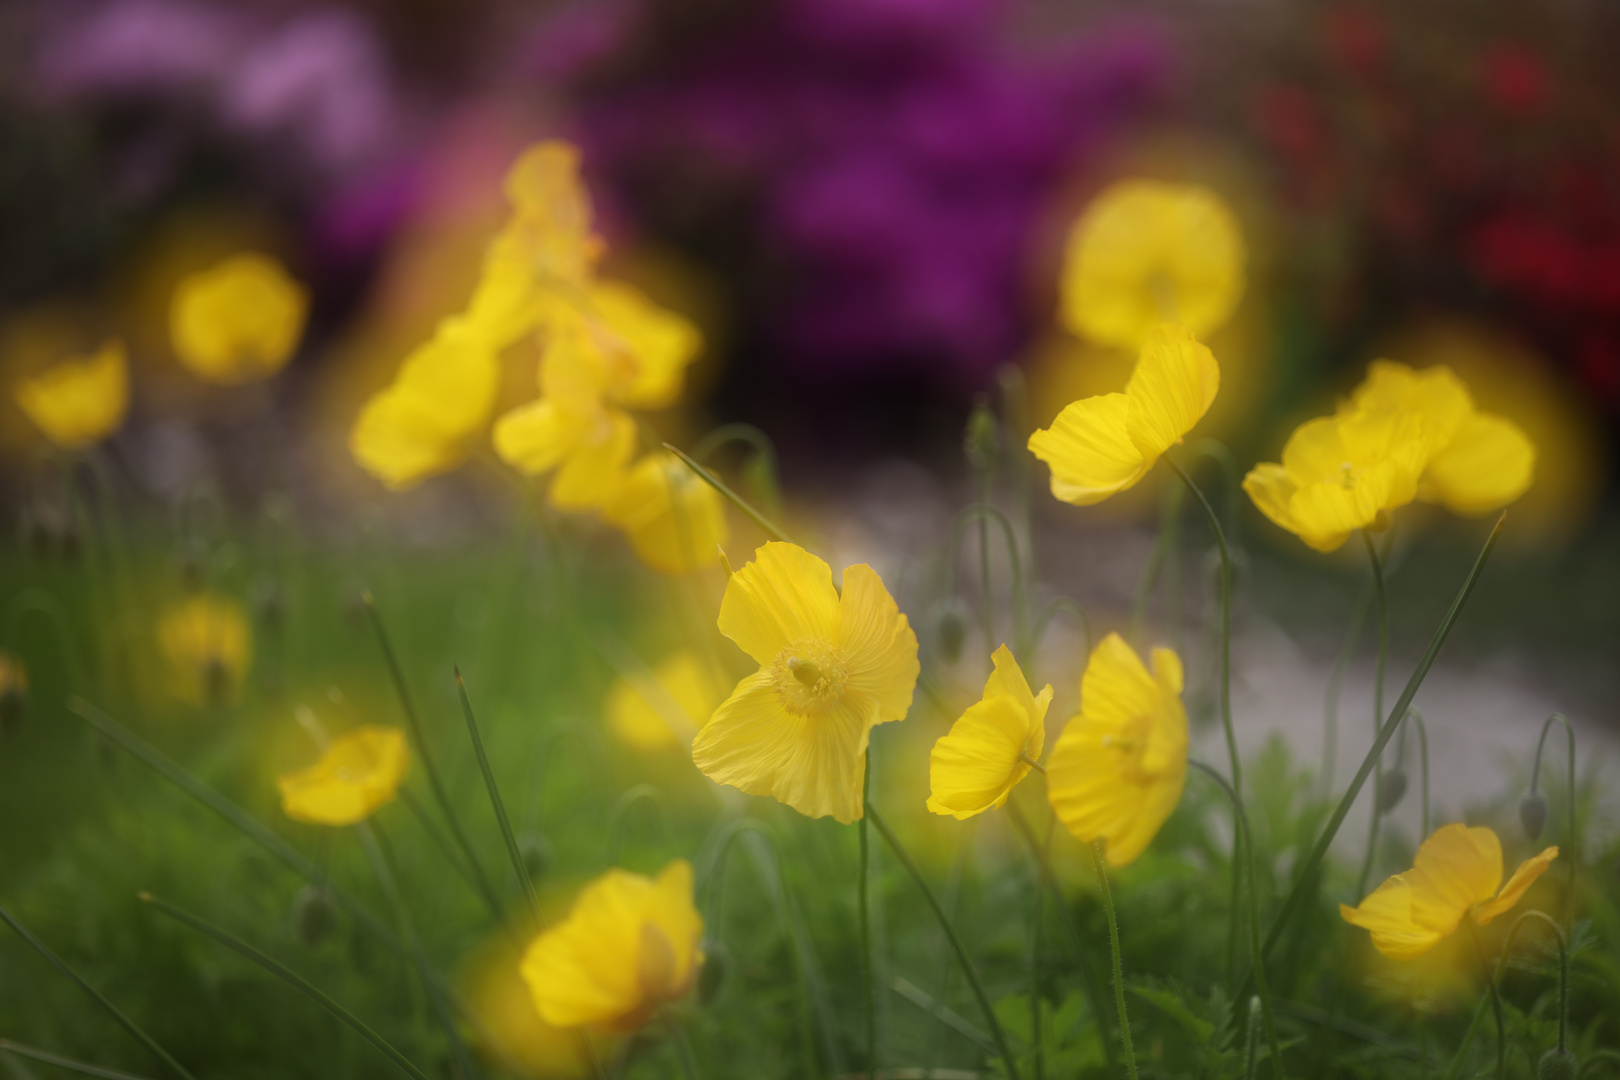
239,320
616,351
1146,252
689,692
428,419
1457,872
831,667
674,520
1117,770
1342,473
975,766
209,646
1478,462
79,402
505,1013
629,945
356,774
1099,446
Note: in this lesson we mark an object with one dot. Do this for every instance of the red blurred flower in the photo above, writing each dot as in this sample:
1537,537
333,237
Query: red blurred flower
1516,80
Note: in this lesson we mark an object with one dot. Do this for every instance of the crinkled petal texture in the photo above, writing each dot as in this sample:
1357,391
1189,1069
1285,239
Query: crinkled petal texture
208,645
1146,252
355,775
975,766
665,713
1456,872
78,403
1339,474
1118,769
1488,464
675,522
239,320
831,667
629,944
425,422
1100,446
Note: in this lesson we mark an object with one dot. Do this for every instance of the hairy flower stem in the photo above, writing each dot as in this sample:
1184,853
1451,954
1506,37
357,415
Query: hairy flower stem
101,999
1535,781
1256,957
1119,964
419,736
518,865
990,1019
1378,710
867,990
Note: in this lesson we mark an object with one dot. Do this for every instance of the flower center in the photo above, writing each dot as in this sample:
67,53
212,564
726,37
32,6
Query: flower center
809,676
1129,747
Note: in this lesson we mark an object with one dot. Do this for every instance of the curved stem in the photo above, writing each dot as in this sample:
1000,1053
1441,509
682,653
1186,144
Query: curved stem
648,793
1163,543
1496,1002
1535,778
48,1058
1061,603
982,512
1256,956
763,460
770,527
1330,707
45,603
1378,709
990,1019
867,989
684,1048
1114,952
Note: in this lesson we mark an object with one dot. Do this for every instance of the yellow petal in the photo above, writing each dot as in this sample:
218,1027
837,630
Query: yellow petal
1434,394
597,466
355,775
976,765
1387,912
78,403
1455,868
812,763
1173,385
645,348
208,644
534,438
784,595
685,685
673,519
1517,885
1006,677
1115,689
239,320
1090,451
879,645
1487,465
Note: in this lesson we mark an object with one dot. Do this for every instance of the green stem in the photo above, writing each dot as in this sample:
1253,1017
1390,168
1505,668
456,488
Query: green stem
684,1048
1423,762
518,865
1535,779
647,793
987,612
1169,525
1114,951
1307,870
1378,710
1341,665
80,1067
1062,603
765,523
761,464
1494,979
1251,1042
419,736
950,933
1256,956
1496,1003
984,512
1035,958
290,977
101,999
867,989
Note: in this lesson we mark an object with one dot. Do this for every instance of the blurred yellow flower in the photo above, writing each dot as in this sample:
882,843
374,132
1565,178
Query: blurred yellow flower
1117,770
629,945
239,320
13,689
831,668
507,1017
975,766
1147,252
1342,473
1100,446
209,646
79,402
688,686
356,774
675,521
1477,462
428,419
1457,872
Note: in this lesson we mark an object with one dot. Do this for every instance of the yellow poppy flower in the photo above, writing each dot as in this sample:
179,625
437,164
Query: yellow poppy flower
79,402
1146,252
209,646
356,774
239,320
426,421
506,1014
1457,872
1117,770
975,766
1342,473
831,667
629,944
674,520
1099,446
688,685
1478,462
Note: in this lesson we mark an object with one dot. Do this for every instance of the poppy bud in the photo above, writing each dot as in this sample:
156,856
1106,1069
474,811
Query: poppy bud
713,972
1556,1065
1391,789
950,630
982,436
312,914
536,852
1533,814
